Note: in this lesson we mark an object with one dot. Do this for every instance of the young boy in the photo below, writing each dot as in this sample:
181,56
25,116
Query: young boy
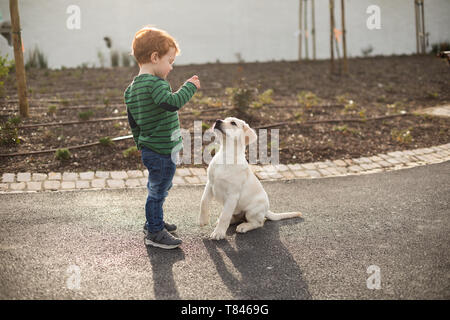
153,118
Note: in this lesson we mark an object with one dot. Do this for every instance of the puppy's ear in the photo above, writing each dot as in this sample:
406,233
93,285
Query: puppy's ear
249,134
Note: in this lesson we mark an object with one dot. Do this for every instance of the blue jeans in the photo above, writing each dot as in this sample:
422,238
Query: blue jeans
161,170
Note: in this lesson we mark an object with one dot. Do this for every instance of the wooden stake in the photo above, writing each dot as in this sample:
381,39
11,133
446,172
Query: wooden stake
306,31
423,28
331,36
18,57
416,9
344,43
313,30
300,28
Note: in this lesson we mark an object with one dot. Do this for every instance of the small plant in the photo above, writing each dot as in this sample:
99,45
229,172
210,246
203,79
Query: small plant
307,99
51,109
101,58
205,126
362,114
15,120
395,107
349,107
342,99
9,133
106,141
196,113
47,134
343,128
432,95
402,136
300,116
263,99
36,59
131,152
241,97
85,115
126,61
367,51
64,102
381,98
390,89
115,58
62,154
5,68
210,102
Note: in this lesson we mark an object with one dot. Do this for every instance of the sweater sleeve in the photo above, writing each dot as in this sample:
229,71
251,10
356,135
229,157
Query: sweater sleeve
162,95
134,127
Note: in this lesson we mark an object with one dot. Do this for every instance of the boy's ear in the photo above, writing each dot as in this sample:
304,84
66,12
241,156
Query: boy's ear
154,57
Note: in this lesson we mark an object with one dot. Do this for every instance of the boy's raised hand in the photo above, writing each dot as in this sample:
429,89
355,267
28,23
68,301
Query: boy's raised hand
195,81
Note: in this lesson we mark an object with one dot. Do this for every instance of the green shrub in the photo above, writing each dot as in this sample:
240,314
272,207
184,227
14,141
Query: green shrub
131,152
115,58
241,97
205,126
62,154
350,106
210,102
263,99
51,109
300,116
36,59
5,68
64,102
402,136
126,61
106,141
343,98
432,95
9,133
15,120
85,115
307,99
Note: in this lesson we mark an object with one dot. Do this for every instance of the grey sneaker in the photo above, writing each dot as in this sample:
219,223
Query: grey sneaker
162,239
169,227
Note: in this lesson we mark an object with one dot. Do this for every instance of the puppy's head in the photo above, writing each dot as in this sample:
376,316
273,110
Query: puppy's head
237,129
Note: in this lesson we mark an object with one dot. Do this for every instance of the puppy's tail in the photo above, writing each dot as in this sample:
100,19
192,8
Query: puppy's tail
279,216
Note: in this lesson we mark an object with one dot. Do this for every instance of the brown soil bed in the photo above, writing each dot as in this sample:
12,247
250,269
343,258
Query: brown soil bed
377,86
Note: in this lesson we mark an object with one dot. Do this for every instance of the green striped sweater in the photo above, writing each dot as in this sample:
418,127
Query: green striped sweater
152,112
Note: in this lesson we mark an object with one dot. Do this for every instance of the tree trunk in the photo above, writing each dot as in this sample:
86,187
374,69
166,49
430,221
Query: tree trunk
18,57
344,42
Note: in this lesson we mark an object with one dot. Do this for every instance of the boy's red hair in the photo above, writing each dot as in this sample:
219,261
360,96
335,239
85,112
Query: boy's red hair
149,40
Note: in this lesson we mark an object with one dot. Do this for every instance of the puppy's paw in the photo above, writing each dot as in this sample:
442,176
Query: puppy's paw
203,220
242,228
218,234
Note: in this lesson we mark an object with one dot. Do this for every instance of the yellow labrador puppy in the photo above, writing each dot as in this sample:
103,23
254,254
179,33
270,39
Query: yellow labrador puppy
232,183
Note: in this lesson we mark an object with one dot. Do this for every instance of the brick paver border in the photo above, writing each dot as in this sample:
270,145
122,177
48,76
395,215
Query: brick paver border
95,180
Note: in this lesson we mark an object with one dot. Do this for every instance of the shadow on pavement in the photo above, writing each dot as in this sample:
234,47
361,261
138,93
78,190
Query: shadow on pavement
162,261
267,268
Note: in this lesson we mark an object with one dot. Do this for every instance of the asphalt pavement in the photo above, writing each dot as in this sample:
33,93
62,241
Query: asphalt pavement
377,236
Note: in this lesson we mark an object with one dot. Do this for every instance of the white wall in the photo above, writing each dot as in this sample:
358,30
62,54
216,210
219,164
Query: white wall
211,30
